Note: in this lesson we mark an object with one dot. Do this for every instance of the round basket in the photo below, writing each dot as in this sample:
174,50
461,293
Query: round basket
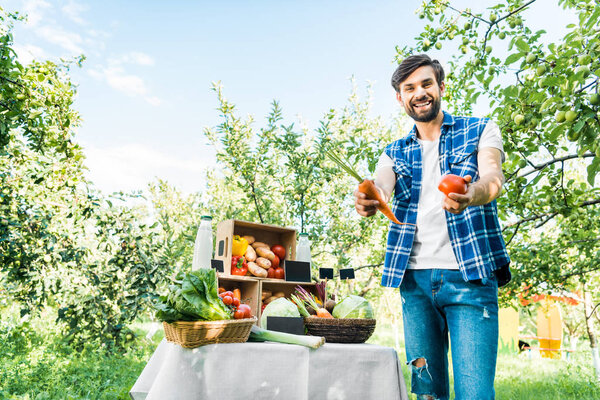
342,330
191,334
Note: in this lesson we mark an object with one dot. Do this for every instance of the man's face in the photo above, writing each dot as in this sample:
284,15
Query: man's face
420,95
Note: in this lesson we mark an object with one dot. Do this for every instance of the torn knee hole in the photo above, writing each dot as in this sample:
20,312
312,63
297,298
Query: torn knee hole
419,362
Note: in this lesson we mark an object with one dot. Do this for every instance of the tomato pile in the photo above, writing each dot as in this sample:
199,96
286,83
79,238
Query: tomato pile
232,299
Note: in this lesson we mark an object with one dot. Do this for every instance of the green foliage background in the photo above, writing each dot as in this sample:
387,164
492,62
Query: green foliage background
96,262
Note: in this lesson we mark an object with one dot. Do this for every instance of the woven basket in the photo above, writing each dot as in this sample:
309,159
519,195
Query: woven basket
191,334
342,330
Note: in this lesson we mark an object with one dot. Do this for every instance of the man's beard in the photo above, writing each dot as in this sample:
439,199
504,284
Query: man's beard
434,110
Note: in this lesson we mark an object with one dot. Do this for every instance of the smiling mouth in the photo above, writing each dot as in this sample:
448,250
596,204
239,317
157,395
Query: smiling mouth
421,105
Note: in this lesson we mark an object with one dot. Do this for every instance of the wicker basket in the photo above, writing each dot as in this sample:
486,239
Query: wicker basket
342,330
191,334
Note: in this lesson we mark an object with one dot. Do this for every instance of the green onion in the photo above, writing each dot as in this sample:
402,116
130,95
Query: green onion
300,304
261,335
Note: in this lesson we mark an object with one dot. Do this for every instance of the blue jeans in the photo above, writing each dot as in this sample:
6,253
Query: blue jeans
438,302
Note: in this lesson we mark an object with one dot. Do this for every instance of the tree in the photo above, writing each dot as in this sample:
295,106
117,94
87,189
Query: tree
62,245
281,175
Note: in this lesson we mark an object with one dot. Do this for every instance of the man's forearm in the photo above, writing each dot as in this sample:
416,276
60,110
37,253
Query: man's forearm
486,189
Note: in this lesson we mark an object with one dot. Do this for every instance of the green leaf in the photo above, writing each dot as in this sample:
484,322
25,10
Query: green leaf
522,45
592,170
513,58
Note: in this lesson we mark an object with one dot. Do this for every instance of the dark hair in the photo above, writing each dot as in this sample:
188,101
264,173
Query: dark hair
410,64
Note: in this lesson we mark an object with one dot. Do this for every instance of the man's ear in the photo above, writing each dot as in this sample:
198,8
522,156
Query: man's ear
442,89
399,98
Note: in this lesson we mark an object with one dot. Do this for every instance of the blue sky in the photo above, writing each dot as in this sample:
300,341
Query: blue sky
144,91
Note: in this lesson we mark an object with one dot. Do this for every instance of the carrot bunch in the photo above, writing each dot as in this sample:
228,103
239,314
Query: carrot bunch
367,187
303,299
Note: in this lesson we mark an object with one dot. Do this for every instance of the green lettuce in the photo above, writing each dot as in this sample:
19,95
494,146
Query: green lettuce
192,296
353,307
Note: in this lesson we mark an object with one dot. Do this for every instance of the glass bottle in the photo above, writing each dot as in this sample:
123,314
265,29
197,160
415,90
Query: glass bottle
303,248
203,247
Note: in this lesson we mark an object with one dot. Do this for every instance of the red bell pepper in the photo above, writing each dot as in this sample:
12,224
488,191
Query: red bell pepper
239,266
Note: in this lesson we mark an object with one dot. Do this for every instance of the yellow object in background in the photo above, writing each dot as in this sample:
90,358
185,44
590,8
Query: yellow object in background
508,324
549,329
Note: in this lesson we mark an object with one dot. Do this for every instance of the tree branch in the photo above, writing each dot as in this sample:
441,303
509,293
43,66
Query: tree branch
552,215
11,81
553,161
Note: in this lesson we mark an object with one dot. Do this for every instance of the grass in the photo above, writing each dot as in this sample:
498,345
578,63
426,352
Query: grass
36,365
521,376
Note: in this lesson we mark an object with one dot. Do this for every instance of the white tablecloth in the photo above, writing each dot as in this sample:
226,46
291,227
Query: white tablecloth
256,371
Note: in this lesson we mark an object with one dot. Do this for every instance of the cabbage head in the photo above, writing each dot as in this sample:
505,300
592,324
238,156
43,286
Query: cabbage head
353,307
281,307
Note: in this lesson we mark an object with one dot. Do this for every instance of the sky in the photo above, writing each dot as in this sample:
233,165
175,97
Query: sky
144,90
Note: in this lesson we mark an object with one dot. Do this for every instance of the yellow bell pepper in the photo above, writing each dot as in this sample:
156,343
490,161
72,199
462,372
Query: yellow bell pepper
239,246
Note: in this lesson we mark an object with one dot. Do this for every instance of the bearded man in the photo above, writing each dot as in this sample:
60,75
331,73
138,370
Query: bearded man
450,257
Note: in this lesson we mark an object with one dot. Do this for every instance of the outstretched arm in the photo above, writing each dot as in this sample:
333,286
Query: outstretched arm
486,189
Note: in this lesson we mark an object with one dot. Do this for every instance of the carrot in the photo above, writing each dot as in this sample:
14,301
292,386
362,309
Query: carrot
367,187
237,293
323,313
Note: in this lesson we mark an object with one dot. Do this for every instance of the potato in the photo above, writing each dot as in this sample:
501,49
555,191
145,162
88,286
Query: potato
266,253
263,263
279,294
259,244
256,270
266,294
270,299
250,254
249,238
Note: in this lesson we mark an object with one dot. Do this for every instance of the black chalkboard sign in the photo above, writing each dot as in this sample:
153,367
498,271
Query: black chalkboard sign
293,325
297,271
217,264
325,273
347,273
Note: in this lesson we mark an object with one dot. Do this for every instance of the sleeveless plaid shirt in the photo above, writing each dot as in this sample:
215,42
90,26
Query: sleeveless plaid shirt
475,233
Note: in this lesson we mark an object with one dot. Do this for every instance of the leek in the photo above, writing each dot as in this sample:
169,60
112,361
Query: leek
261,335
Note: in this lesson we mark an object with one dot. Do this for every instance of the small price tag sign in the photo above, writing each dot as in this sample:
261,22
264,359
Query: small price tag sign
293,325
325,273
297,271
347,273
217,264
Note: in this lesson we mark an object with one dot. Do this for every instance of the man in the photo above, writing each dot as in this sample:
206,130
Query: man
450,258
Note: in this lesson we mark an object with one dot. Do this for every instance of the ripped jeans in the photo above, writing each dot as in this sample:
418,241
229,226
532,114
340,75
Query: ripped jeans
437,303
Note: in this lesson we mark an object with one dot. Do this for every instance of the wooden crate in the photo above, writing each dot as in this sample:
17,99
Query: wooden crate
249,288
269,234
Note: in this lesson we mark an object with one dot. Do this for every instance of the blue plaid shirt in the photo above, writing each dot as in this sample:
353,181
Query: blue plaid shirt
475,233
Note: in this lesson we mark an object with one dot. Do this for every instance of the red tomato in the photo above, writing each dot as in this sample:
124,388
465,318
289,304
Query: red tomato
238,314
275,262
279,251
236,302
228,300
453,184
271,273
246,309
279,273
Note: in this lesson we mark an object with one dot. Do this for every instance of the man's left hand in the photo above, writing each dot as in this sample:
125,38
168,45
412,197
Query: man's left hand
456,203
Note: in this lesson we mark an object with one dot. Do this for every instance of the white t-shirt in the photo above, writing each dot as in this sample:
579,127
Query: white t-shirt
431,247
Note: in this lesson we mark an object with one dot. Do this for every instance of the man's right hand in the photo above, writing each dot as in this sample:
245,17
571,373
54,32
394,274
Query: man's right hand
363,206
